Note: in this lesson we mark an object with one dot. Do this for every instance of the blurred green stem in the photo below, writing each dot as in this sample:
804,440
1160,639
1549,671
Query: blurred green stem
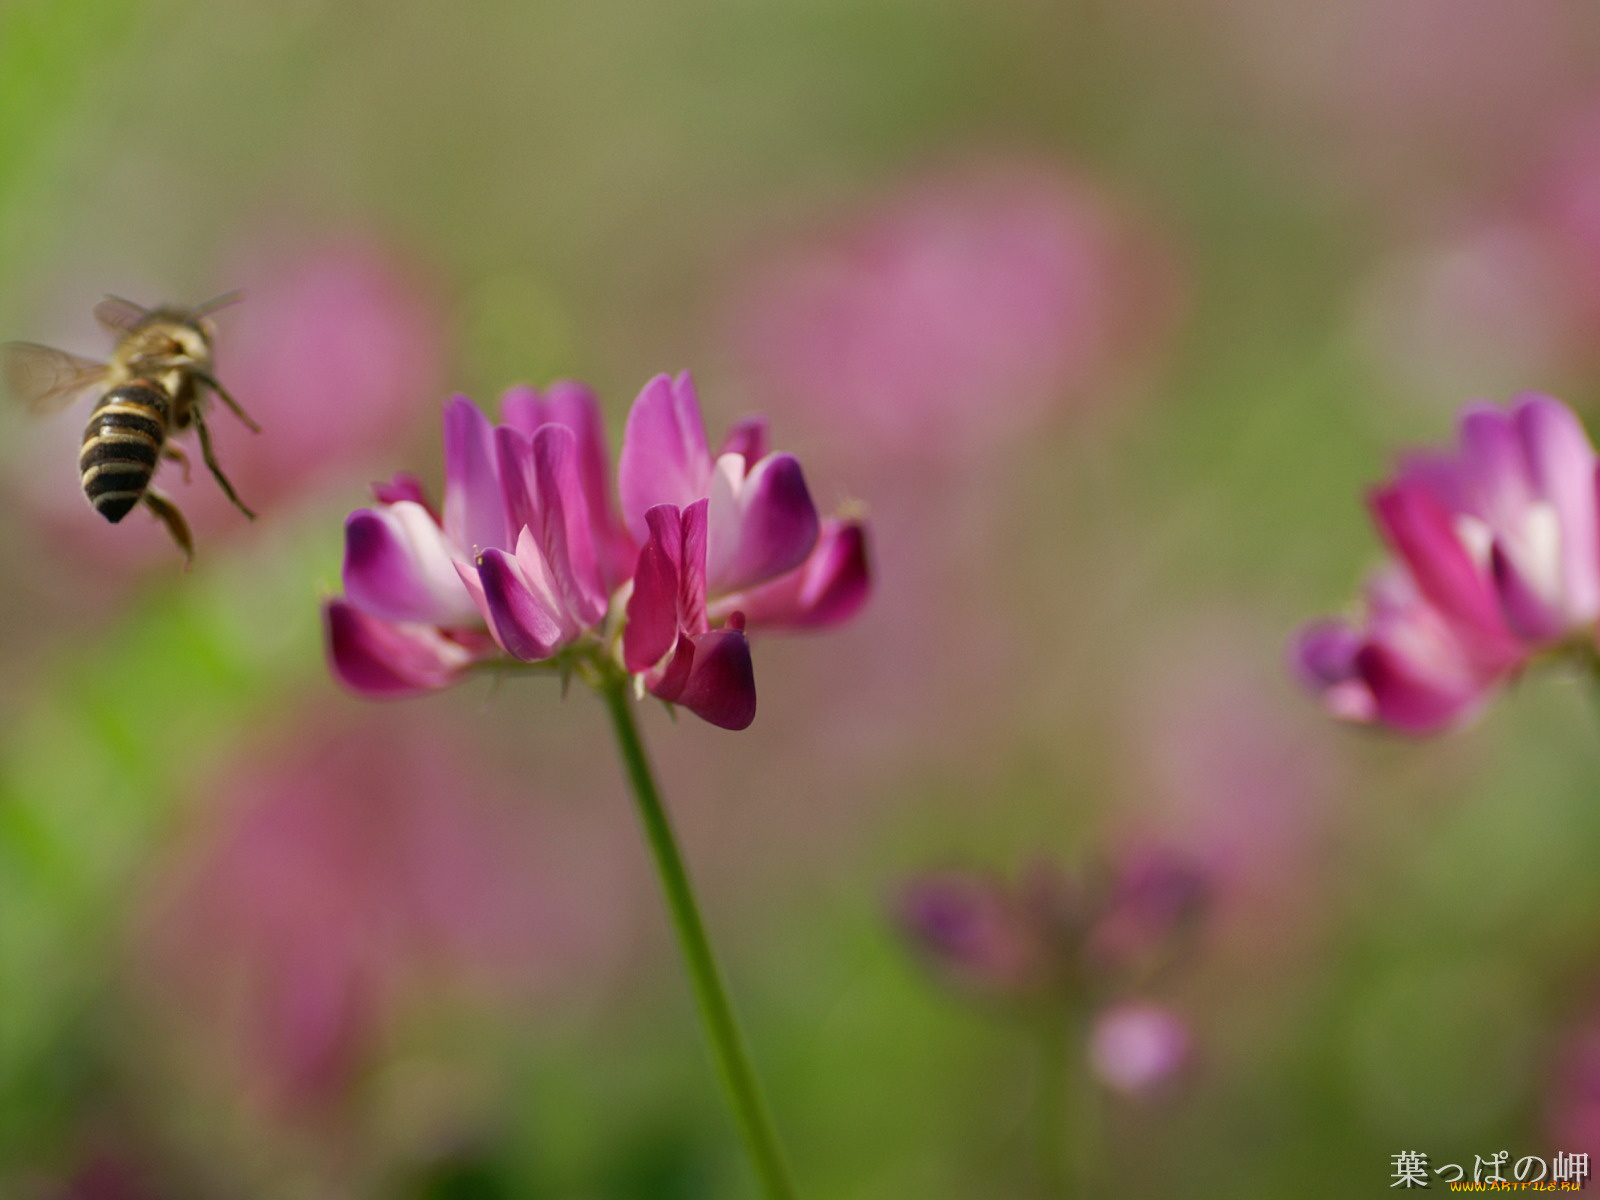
1054,1068
1068,1110
716,1013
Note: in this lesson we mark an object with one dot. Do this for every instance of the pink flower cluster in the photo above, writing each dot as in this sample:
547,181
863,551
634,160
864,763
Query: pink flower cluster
1496,561
1056,939
530,558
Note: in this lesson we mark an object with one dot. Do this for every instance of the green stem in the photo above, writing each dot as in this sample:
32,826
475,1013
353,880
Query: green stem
1052,1107
716,1013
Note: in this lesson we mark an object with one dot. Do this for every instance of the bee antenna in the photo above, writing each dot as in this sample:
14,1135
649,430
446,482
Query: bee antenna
138,308
216,302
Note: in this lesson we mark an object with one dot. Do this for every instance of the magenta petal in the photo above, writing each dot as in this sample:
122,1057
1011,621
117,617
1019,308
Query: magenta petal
747,439
1420,530
383,659
719,685
665,459
521,620
829,588
523,408
564,530
1562,465
404,486
513,454
1410,699
1324,653
760,527
1494,466
652,626
576,406
474,516
692,615
1528,614
398,566
1324,656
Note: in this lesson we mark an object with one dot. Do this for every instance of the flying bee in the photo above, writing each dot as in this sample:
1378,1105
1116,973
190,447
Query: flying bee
154,386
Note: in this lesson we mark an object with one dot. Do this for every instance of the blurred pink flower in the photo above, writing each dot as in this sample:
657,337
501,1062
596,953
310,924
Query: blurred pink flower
1051,931
956,316
1137,1046
527,552
334,350
345,875
1154,894
977,934
1499,559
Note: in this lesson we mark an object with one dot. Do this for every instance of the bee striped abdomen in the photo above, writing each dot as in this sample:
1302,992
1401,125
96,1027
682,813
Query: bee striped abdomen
121,447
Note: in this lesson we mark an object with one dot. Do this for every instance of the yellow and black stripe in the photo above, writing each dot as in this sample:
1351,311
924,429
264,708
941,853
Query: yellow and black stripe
122,445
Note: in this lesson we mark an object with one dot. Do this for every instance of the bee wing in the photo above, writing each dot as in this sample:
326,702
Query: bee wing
43,378
119,316
219,302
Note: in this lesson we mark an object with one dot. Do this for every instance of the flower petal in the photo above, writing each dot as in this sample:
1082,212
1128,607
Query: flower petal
652,628
1528,612
1562,465
522,608
564,529
747,439
404,486
761,525
576,406
398,566
1494,466
712,676
1420,530
1323,655
474,515
1411,699
830,587
513,454
523,408
665,459
383,659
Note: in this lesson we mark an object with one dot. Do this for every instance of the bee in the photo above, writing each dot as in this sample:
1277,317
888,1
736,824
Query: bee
154,386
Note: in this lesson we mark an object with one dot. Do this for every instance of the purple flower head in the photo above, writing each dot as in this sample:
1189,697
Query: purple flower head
1052,930
973,931
530,561
1154,896
1498,560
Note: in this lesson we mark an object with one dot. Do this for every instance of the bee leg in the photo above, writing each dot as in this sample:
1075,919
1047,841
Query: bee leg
211,382
177,456
210,456
168,512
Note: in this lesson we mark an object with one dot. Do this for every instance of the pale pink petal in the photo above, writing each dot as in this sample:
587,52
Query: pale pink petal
564,529
398,565
474,514
665,458
1562,465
